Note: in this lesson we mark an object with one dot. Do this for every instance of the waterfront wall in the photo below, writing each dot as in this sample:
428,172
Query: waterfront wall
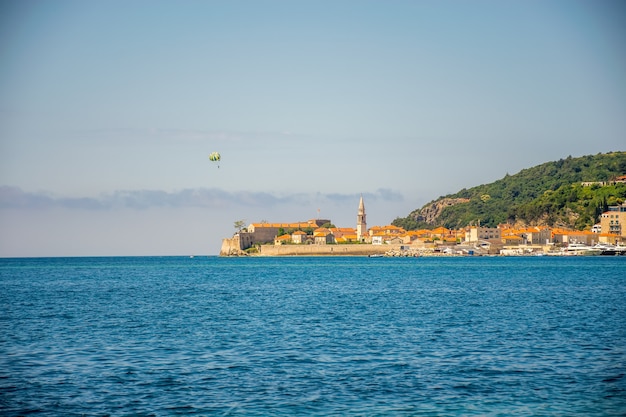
231,246
326,250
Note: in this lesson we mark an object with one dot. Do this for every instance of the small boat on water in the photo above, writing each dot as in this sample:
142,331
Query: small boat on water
580,249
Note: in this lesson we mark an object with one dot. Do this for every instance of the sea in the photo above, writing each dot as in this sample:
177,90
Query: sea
321,336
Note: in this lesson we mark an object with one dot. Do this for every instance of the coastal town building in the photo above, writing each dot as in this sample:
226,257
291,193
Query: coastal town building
610,238
617,180
266,232
344,234
388,230
537,235
566,237
477,233
323,236
613,220
280,240
512,240
298,237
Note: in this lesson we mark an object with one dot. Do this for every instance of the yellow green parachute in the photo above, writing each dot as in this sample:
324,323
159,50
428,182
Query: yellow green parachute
215,157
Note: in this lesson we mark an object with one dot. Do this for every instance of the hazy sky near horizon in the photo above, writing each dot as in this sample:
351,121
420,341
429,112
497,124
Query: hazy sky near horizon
109,110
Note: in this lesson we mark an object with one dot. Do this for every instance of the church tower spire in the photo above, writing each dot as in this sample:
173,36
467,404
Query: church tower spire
361,223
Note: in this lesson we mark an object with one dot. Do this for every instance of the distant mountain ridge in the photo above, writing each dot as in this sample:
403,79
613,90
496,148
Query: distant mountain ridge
570,192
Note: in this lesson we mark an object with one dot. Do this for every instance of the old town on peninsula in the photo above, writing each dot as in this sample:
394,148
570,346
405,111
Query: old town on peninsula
318,237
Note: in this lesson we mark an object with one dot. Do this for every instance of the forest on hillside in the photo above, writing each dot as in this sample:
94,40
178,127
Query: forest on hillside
548,194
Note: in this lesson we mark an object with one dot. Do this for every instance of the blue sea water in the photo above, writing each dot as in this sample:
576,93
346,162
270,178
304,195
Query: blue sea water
158,336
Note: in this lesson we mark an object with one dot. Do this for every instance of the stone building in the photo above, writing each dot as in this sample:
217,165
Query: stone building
612,221
476,233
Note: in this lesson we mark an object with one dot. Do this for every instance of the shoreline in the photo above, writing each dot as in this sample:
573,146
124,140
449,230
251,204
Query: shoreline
401,251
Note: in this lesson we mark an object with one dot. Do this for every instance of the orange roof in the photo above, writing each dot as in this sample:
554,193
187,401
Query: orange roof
572,232
414,233
343,229
283,225
424,231
391,227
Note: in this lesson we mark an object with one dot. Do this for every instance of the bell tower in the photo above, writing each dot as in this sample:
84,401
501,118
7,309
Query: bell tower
361,224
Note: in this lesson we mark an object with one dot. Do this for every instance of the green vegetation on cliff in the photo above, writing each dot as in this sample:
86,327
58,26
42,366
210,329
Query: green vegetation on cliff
551,193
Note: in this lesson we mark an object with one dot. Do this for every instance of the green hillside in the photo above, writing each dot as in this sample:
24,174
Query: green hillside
548,194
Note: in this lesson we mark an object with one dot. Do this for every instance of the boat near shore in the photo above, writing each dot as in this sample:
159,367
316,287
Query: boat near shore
580,249
607,249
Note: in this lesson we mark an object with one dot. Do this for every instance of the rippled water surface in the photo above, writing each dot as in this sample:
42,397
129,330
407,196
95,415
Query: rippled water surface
313,336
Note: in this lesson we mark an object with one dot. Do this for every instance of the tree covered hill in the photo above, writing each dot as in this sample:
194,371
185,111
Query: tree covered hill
550,194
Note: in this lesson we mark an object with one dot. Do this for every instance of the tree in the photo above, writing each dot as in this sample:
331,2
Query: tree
240,224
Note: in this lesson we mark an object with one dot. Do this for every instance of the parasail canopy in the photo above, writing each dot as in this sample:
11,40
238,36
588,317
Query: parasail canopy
215,157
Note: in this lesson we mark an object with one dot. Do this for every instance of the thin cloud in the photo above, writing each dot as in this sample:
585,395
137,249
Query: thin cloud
381,194
387,194
16,198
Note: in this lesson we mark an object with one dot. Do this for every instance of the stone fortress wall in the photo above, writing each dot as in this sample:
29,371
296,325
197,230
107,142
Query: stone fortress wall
326,250
237,244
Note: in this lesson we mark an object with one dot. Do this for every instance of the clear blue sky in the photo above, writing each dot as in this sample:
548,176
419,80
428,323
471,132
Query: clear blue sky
109,110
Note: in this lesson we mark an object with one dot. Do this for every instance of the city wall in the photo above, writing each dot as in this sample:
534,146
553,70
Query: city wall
231,246
237,245
326,250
